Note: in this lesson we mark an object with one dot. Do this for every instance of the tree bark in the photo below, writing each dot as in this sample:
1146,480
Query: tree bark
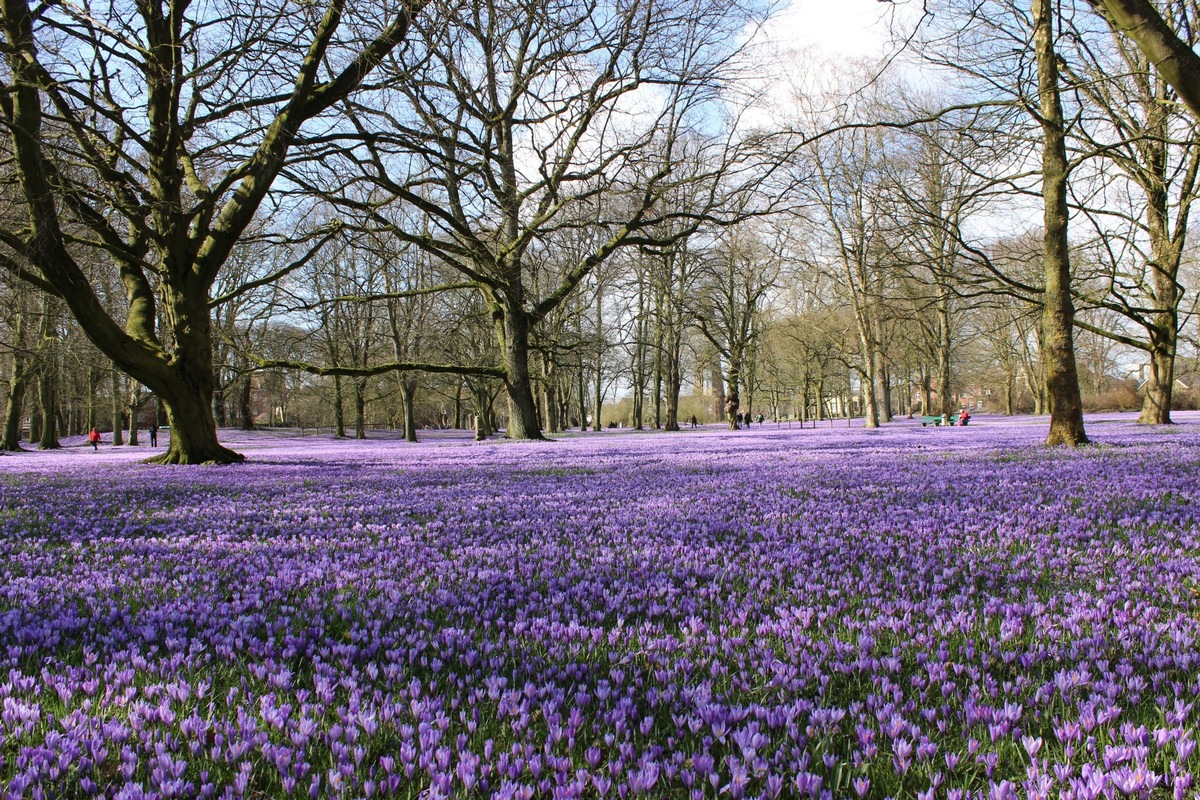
11,440
118,418
598,388
732,400
360,410
880,390
339,408
408,396
718,382
1176,61
945,342
512,323
1156,404
47,380
245,395
1058,308
134,422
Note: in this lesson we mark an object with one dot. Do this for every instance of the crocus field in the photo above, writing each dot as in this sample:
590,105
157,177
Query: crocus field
905,613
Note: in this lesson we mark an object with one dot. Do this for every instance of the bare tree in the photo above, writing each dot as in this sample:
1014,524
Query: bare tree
737,275
511,125
157,129
1134,123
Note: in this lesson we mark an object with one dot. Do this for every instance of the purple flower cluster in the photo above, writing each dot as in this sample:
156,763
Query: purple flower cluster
907,613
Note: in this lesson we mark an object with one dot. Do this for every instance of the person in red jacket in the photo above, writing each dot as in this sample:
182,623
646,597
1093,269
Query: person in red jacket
94,439
964,417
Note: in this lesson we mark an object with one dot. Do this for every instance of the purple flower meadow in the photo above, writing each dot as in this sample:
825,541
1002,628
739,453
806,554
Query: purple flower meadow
905,613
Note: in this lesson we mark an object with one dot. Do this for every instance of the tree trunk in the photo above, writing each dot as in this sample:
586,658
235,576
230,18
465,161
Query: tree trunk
408,395
118,417
598,393
718,383
339,408
882,392
1156,405
867,393
659,334
458,405
1058,309
360,410
732,400
11,440
945,390
478,396
245,395
133,425
513,331
93,384
185,392
549,394
47,382
582,391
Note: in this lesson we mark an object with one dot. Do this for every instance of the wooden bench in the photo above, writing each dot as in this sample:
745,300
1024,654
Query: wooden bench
932,420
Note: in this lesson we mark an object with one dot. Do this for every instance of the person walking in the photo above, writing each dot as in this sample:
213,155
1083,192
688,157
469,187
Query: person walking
693,421
154,436
94,439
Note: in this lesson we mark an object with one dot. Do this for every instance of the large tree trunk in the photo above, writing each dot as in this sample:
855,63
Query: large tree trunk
867,376
1058,309
1156,404
512,324
185,389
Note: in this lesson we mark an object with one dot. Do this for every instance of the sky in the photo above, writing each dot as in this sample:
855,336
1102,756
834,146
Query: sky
847,28
809,47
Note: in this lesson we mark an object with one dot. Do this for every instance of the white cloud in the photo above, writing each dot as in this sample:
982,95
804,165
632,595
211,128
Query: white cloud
857,29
